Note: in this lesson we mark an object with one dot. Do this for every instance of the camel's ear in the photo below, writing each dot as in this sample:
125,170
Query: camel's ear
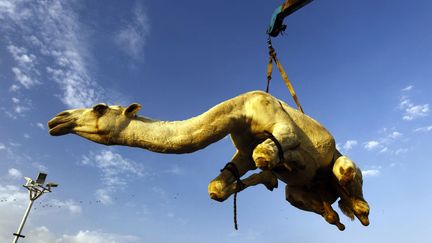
132,110
100,109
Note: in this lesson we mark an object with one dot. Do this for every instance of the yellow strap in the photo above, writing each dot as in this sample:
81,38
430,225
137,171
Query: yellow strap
288,83
284,76
269,72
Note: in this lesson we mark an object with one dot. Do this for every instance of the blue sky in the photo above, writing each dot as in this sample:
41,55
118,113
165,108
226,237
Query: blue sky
361,68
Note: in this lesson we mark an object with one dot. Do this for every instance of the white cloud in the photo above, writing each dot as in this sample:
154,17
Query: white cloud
14,173
115,170
42,234
408,88
349,144
370,173
395,135
14,88
96,237
175,170
412,111
2,146
53,31
371,145
416,111
23,78
19,106
104,196
70,205
25,71
423,129
39,166
401,151
40,125
383,150
132,38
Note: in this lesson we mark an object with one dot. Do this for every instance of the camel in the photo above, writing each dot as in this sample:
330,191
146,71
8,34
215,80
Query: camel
284,143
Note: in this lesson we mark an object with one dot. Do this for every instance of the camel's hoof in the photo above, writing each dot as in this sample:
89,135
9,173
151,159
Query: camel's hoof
215,190
340,226
264,156
263,164
364,220
215,197
361,211
272,183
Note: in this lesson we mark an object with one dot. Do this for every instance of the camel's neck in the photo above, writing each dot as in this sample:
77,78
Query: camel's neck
183,136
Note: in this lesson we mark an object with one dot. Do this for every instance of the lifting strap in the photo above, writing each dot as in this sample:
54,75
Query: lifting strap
273,57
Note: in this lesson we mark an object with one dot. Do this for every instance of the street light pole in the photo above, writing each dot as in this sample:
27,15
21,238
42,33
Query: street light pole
18,233
35,189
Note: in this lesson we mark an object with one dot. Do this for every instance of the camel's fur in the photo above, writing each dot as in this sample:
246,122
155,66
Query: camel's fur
315,172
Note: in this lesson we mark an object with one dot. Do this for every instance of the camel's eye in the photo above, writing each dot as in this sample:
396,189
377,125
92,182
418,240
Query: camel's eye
100,109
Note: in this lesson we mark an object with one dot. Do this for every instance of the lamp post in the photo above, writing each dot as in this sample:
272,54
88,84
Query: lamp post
36,189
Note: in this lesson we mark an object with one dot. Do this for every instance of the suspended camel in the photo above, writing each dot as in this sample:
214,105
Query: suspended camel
268,134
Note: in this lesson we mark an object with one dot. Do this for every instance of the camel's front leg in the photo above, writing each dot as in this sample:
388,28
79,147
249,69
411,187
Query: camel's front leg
350,183
267,178
217,186
267,154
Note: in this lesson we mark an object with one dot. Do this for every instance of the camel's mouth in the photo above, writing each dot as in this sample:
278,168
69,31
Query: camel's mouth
61,125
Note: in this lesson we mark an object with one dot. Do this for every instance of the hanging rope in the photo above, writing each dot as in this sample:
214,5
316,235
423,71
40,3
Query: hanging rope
273,57
231,167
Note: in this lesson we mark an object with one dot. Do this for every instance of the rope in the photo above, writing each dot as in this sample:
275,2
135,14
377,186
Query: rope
278,145
231,167
235,211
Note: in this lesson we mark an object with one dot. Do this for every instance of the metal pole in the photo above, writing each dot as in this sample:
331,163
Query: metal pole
18,234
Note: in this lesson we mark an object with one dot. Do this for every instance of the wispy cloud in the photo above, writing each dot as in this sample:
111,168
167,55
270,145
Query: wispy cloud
132,38
52,30
412,111
408,88
43,234
20,106
25,71
370,173
175,170
349,144
115,170
70,205
40,125
371,145
387,141
15,174
395,135
423,129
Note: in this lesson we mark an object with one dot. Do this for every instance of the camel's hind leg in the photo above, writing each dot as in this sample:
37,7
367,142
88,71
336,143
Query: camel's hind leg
313,201
350,182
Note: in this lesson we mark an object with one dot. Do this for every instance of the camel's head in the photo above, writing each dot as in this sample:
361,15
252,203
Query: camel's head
98,123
